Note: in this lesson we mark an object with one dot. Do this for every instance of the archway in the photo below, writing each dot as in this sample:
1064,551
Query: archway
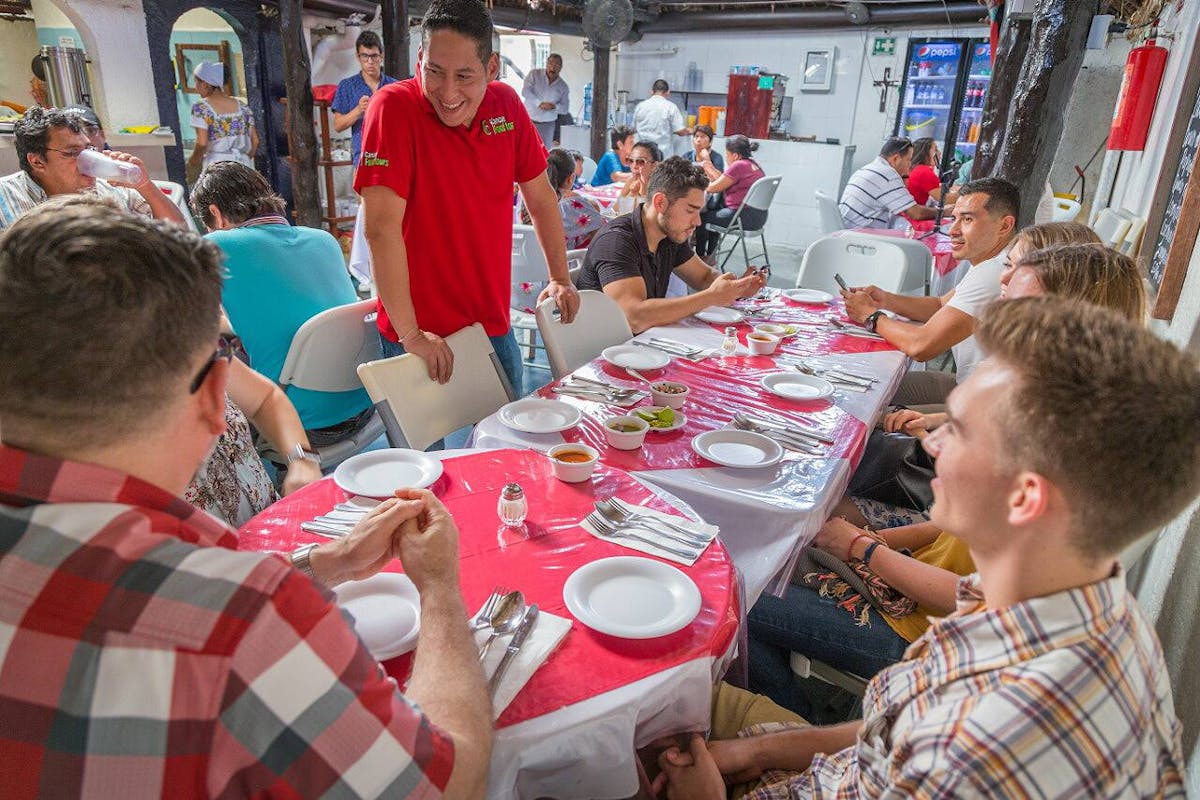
203,34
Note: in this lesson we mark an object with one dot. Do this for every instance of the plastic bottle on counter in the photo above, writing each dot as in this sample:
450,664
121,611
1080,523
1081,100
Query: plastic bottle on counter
719,128
587,102
98,165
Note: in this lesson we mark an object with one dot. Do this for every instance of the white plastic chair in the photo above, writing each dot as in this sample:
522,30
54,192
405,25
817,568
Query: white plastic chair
528,265
1111,226
1133,236
893,264
828,213
589,169
417,411
175,194
761,193
599,324
323,356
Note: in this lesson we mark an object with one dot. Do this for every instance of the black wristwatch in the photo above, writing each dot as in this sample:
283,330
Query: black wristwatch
872,320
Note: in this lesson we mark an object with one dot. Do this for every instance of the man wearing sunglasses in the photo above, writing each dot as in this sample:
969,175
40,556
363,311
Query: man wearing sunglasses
876,195
49,141
353,93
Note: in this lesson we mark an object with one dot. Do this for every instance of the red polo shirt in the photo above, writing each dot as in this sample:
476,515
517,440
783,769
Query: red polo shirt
458,183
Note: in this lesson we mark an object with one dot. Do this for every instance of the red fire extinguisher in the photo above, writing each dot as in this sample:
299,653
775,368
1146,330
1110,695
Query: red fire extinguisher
1139,91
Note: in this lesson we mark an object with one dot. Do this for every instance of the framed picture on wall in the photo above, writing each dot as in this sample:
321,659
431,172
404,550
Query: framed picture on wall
187,56
817,71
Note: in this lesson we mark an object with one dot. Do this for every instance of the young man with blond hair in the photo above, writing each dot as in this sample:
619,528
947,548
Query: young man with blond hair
1047,681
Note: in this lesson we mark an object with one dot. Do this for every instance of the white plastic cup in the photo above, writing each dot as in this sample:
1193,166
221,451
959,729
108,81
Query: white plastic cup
573,471
762,344
673,400
626,440
98,165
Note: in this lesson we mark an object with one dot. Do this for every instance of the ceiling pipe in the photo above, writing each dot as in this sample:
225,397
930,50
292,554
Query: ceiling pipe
959,12
517,18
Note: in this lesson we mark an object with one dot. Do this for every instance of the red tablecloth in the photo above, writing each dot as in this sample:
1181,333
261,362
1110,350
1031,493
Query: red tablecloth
538,562
605,196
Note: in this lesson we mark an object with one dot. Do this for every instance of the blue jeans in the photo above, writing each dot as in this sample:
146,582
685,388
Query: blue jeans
506,348
804,622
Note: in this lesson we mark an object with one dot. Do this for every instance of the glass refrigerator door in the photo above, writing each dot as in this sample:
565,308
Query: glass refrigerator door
979,77
930,80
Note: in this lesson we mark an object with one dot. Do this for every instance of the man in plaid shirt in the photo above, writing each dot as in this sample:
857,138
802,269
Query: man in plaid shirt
141,654
1047,681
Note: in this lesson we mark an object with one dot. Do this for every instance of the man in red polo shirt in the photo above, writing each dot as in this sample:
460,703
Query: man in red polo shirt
441,152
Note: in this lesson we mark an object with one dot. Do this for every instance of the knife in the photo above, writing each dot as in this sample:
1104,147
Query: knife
803,434
671,351
514,647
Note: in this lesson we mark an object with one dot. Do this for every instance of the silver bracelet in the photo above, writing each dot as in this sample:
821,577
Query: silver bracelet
301,559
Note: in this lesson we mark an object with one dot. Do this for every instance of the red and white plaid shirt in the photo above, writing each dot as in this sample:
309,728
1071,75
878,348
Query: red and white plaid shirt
141,655
1064,696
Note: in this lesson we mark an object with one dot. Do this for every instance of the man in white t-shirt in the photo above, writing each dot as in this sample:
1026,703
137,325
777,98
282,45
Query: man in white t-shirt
985,220
659,120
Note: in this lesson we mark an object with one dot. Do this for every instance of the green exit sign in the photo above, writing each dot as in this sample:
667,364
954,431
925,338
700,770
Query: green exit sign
884,46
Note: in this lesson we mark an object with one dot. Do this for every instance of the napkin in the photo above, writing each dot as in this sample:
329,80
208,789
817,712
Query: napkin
547,633
703,530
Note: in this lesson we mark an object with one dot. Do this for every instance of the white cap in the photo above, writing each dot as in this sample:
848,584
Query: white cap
211,73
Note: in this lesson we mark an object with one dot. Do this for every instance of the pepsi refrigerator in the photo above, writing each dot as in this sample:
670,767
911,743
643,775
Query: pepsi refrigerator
944,85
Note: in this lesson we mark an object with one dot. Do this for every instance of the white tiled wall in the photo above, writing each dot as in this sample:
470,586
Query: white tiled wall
849,111
805,167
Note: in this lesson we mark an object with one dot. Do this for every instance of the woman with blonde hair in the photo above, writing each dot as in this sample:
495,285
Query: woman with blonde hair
1090,272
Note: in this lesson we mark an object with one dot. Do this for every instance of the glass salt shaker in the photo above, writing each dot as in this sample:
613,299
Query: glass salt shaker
729,346
512,507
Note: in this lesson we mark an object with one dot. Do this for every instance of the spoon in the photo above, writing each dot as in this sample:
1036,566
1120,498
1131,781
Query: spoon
639,376
619,392
504,619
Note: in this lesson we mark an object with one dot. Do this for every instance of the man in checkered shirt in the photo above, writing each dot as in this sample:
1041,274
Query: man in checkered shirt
142,655
1047,681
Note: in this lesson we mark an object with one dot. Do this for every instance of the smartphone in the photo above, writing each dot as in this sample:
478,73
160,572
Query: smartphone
841,282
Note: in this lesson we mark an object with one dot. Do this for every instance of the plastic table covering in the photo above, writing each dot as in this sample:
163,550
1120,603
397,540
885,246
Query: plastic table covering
572,730
768,514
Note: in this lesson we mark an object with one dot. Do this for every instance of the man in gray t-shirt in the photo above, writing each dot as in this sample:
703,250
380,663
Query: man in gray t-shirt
632,259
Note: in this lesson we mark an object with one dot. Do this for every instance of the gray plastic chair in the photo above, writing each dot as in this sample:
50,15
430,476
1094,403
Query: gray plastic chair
761,193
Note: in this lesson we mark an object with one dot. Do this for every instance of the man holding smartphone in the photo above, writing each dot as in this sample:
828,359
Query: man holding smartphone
984,226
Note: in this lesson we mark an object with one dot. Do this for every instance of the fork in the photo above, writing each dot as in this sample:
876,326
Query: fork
619,515
609,530
837,371
790,442
484,617
788,430
616,391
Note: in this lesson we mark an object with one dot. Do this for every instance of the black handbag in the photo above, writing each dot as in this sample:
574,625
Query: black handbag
896,470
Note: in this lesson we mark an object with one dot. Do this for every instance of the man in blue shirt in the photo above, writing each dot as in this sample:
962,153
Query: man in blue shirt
353,93
277,277
612,167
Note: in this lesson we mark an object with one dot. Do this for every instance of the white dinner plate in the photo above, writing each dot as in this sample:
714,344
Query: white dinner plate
797,386
387,612
379,473
680,419
628,356
720,315
538,415
734,448
807,295
632,597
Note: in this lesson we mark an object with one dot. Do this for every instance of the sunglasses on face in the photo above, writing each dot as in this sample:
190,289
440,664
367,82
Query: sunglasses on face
227,345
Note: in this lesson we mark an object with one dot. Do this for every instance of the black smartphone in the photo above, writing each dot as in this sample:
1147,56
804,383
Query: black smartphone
841,282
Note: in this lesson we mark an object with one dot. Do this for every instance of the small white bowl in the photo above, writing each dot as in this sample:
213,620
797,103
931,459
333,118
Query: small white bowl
672,400
626,440
571,471
762,344
772,329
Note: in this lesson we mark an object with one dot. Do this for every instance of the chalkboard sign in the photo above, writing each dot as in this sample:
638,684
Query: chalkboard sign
1166,234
